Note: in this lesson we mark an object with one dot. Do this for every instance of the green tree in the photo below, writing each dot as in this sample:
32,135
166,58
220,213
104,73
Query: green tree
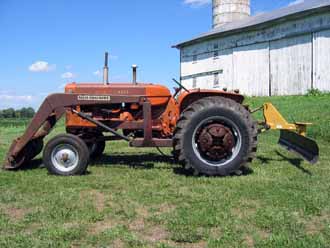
9,113
19,113
23,112
30,112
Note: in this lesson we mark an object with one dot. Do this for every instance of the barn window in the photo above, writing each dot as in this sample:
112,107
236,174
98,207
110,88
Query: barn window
194,82
216,82
195,59
216,55
216,46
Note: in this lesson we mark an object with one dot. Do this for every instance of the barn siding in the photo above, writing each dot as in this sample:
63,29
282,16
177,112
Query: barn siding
225,62
207,63
284,59
204,63
251,69
203,82
291,65
275,32
321,60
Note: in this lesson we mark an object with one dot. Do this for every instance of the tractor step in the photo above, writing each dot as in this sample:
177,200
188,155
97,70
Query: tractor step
301,145
141,142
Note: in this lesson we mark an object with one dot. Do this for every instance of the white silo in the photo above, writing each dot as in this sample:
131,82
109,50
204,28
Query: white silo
226,11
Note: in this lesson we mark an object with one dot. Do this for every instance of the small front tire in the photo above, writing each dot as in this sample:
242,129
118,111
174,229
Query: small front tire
66,155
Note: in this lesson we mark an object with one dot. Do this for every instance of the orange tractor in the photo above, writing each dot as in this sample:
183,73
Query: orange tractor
210,131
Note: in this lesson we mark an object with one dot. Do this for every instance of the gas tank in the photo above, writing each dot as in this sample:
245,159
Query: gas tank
156,94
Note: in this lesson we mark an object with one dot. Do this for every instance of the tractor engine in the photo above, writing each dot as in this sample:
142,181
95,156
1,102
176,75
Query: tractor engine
118,116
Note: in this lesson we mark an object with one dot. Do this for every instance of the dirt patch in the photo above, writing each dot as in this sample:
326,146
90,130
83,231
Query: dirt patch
201,244
15,214
155,234
142,212
250,203
316,224
248,208
96,197
165,208
102,226
215,233
118,244
243,213
249,241
137,225
70,225
263,234
32,228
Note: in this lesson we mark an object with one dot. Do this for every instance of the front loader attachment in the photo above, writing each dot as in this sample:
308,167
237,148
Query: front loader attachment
29,145
293,136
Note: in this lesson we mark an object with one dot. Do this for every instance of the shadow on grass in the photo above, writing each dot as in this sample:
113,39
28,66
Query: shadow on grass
296,162
147,162
33,165
143,161
245,171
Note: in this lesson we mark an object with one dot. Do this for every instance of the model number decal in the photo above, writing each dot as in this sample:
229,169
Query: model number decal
94,98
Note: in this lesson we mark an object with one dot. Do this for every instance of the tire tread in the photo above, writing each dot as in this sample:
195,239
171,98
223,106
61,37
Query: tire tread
197,107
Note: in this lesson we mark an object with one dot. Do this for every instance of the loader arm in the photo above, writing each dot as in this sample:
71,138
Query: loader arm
50,111
293,135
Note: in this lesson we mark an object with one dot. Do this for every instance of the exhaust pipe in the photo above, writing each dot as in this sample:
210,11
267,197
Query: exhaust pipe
134,67
106,70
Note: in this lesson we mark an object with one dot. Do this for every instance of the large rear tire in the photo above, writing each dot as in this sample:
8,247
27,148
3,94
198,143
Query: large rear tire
66,155
215,136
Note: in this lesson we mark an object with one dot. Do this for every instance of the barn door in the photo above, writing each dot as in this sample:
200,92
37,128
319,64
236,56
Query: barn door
251,69
321,60
291,65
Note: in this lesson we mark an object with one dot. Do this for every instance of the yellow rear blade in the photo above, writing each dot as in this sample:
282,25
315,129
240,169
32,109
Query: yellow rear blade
303,146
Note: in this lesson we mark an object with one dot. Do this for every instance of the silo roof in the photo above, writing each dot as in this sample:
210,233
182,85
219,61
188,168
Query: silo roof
305,8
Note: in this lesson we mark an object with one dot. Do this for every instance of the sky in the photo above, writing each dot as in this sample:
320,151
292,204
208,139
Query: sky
47,43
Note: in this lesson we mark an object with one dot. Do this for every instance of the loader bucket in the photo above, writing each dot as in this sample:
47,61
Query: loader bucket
32,149
301,145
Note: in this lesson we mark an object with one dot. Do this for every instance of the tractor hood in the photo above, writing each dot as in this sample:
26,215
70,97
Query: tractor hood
120,89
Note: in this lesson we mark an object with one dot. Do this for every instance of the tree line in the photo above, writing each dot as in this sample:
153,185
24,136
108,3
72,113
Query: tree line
18,113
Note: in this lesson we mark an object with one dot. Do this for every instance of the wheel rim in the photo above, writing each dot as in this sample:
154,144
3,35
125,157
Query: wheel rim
217,141
65,157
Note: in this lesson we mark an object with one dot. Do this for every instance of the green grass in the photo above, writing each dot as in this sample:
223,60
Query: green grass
13,122
137,198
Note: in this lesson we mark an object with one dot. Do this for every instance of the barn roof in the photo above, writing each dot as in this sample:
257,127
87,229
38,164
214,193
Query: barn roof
305,8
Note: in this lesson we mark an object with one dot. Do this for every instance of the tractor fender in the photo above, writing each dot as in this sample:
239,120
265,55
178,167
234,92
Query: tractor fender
187,98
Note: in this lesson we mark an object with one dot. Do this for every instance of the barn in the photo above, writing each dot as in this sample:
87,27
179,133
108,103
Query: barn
284,52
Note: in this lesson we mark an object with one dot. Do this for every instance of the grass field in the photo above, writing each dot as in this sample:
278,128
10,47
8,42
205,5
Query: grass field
138,198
